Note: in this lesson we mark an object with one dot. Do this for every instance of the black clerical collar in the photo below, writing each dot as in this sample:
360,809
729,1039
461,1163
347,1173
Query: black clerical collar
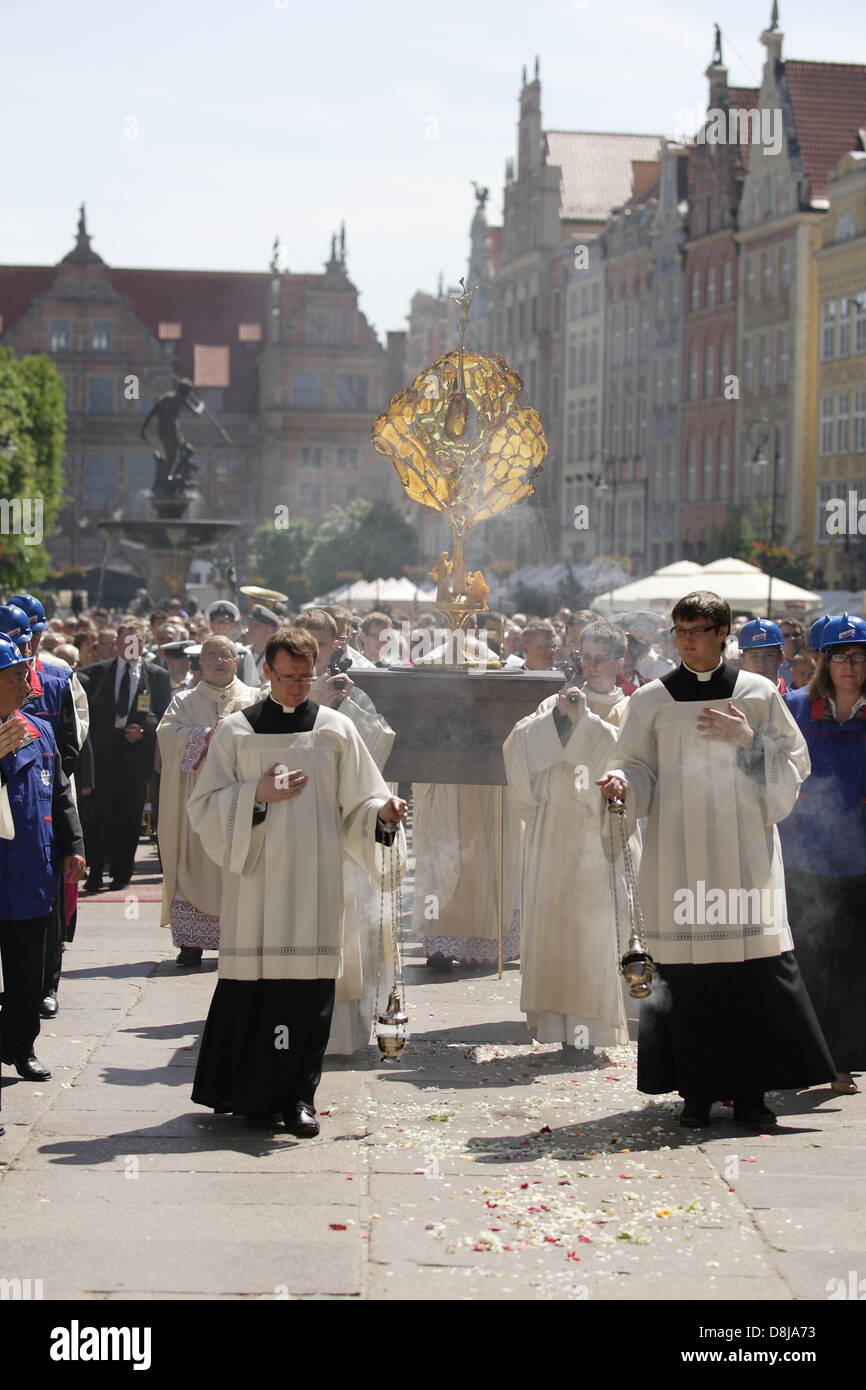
705,675
684,684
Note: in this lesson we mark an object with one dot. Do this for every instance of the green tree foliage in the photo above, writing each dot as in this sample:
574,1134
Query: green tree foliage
279,556
744,535
32,435
371,538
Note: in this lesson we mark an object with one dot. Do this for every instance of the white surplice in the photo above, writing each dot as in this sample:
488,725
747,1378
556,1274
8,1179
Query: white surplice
711,827
282,893
356,988
187,870
571,988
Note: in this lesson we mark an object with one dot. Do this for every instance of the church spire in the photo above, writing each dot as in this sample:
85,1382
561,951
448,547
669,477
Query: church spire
82,251
772,37
717,48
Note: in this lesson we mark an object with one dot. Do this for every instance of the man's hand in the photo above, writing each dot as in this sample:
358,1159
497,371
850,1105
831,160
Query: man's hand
291,784
395,809
732,727
334,690
613,788
573,707
73,868
12,735
133,733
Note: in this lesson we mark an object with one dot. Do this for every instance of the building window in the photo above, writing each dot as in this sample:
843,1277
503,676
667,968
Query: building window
826,442
673,379
828,330
347,458
659,383
766,275
100,336
709,372
641,426
748,368
596,297
318,327
656,474
693,375
521,319
211,366
724,468
711,286
695,301
557,310
169,332
100,395
660,302
345,493
845,228
581,430
582,363
858,304
726,361
842,423
593,428
572,363
344,328
728,281
858,421
617,337
593,356
783,342
708,470
784,267
825,492
844,329
310,494
533,315
58,338
671,472
571,434
750,277
312,456
308,390
629,430
630,332
692,471
249,332
764,370
100,482
352,389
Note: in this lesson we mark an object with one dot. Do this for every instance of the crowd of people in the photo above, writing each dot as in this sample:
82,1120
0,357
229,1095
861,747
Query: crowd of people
737,746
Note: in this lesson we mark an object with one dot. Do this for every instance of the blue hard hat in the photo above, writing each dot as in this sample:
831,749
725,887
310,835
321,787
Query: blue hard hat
760,632
34,610
14,623
815,632
9,654
839,632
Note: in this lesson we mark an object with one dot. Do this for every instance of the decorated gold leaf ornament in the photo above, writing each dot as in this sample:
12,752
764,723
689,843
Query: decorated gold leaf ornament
468,453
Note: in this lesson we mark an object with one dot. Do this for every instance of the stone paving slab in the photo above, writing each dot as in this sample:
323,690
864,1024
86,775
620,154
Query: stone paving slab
117,1186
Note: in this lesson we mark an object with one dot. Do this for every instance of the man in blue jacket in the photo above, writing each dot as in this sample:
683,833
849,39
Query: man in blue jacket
39,831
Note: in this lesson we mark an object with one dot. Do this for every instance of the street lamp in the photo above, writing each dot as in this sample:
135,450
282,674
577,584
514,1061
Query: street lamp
767,432
600,483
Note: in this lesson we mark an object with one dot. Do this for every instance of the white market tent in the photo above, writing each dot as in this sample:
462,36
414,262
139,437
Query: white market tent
377,591
744,586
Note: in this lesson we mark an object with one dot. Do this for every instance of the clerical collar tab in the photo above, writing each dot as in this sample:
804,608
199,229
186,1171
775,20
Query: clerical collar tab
705,675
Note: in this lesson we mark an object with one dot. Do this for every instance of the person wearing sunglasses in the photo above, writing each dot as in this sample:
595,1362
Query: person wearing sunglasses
824,843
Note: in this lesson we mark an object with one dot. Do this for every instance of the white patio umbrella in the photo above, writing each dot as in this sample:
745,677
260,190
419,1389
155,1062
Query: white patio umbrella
747,586
656,591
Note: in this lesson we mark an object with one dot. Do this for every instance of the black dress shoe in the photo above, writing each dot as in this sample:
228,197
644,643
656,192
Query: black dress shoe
49,1006
751,1110
695,1114
441,963
189,956
117,885
93,884
31,1069
301,1121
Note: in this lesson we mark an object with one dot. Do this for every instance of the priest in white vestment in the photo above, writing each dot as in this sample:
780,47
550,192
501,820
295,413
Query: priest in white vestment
192,883
287,786
571,987
713,759
366,962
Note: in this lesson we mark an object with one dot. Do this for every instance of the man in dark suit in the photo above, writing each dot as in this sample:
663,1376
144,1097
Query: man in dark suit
127,696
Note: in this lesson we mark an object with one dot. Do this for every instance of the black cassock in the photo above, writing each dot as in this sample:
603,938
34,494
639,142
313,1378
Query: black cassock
240,1070
716,1032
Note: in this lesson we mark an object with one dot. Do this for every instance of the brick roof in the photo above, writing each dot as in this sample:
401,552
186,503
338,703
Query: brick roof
596,169
828,101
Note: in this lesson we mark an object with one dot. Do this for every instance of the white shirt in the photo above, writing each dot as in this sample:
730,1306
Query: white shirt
134,680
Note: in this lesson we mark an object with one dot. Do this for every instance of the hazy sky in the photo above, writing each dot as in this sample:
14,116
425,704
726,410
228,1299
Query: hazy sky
251,117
